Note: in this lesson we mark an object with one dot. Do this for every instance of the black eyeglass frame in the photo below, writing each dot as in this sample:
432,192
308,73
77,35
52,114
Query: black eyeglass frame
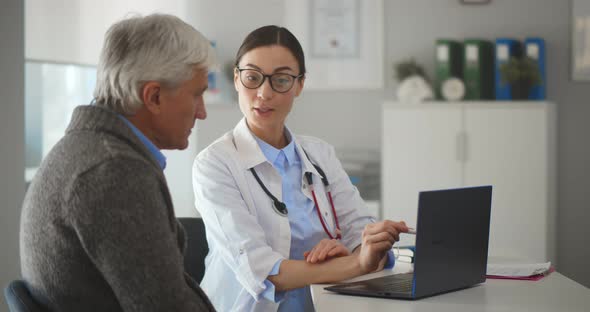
295,77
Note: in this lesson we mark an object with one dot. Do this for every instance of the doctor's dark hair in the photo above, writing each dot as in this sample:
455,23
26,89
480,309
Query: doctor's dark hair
272,35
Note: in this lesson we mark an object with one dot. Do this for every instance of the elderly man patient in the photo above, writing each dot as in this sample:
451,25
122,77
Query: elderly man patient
98,230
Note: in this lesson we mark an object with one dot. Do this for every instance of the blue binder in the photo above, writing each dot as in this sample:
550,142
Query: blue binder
505,48
212,75
535,49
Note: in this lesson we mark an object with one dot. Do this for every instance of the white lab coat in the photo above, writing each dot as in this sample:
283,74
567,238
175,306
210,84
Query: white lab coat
246,236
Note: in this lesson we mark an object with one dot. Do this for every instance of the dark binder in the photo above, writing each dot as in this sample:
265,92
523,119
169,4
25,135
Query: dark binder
448,63
478,69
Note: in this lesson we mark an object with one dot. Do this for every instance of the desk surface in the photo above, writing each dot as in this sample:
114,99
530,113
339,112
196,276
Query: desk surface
554,292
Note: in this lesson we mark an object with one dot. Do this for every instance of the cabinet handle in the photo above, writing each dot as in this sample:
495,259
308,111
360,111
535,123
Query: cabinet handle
461,153
465,147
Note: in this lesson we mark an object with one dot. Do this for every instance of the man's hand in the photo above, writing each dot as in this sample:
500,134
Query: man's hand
326,249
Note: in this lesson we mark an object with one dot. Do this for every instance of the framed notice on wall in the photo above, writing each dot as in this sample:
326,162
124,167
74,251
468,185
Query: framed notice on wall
580,40
342,41
334,28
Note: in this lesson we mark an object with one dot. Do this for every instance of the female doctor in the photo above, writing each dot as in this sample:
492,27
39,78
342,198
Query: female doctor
280,212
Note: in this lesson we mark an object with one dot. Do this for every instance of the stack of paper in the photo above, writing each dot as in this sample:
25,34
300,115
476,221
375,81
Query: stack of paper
405,254
528,271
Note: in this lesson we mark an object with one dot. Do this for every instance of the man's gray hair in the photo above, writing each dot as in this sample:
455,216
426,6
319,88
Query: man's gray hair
136,50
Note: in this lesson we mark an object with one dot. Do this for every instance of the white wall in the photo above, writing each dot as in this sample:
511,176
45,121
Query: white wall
12,160
72,31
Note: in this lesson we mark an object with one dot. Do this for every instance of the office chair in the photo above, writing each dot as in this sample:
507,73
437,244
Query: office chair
196,249
20,299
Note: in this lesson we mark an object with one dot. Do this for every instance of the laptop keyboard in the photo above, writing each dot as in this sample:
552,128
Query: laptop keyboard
396,283
388,286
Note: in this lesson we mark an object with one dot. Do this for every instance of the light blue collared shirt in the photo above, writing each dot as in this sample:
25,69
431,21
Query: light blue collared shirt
306,229
150,146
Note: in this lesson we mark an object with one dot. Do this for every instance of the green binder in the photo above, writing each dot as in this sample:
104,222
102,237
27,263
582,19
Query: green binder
478,69
448,63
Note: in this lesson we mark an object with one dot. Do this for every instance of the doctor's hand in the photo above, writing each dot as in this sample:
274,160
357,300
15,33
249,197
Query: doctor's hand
326,249
378,238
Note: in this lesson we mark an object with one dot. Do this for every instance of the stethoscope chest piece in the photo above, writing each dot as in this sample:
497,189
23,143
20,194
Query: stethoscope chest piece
281,208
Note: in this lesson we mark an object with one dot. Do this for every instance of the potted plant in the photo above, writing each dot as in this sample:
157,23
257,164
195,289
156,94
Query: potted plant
521,74
413,84
408,68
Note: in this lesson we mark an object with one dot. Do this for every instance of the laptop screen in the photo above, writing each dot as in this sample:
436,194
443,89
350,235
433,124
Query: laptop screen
452,240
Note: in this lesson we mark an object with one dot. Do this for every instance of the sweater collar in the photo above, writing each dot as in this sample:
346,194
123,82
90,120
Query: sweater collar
101,119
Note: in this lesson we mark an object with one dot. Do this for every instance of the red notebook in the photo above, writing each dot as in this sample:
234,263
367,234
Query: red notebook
535,277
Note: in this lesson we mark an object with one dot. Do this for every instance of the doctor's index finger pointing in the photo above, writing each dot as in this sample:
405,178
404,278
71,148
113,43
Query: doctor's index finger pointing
393,227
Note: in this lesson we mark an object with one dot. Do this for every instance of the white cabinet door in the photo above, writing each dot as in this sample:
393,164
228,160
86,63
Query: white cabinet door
420,152
508,146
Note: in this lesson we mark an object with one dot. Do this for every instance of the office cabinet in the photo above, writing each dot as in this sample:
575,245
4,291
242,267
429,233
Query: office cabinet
509,145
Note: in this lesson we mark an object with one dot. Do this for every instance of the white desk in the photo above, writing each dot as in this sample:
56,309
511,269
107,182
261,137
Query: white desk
552,293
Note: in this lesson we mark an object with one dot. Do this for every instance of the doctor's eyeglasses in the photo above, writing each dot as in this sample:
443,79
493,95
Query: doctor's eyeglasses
279,82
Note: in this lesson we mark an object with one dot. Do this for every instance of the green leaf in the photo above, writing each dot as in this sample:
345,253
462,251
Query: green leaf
520,70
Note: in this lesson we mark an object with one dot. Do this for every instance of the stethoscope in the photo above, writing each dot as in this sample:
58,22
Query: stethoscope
281,208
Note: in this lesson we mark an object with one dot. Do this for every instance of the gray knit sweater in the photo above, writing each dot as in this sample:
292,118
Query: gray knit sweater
98,230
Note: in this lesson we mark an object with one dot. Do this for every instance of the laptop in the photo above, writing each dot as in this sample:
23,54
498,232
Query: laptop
451,248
